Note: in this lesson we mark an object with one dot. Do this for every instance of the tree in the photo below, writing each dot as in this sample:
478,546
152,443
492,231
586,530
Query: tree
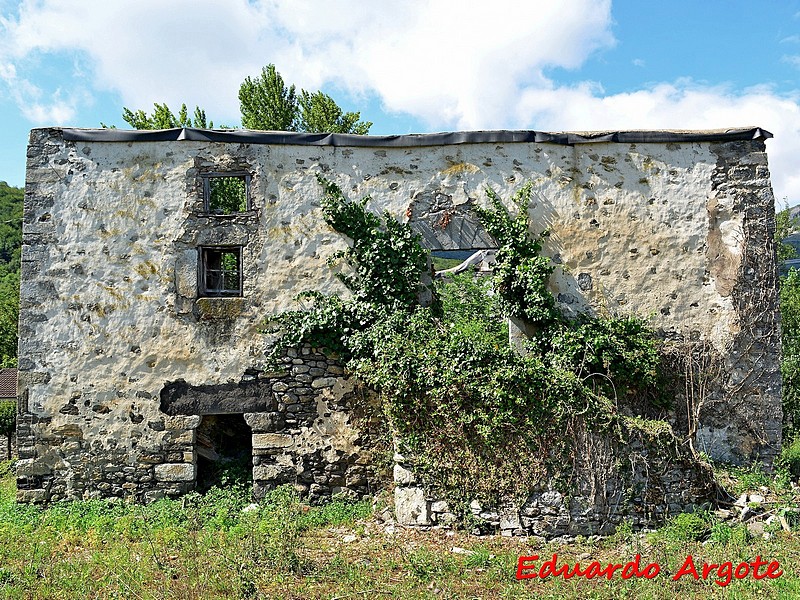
785,224
267,103
9,317
319,113
163,118
10,248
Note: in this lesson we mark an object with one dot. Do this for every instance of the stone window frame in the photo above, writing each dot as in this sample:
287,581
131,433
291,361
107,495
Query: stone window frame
206,186
203,290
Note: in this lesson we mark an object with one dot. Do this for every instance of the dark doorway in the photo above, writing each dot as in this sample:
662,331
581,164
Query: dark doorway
224,450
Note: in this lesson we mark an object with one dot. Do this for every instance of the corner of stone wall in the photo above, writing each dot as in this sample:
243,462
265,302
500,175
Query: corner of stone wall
741,420
310,440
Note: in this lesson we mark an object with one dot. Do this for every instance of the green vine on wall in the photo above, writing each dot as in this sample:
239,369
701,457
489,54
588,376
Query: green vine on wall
520,272
482,420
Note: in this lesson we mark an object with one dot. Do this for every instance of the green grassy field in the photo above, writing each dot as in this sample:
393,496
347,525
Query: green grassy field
209,547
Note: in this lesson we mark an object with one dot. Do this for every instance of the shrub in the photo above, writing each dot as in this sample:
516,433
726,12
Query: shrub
456,395
687,527
790,457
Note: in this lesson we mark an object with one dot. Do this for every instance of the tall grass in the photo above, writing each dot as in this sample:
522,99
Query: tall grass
219,545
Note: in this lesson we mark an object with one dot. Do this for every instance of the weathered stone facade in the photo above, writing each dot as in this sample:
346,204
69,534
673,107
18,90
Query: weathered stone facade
122,355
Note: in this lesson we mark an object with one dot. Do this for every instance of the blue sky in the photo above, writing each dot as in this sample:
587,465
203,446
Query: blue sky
413,66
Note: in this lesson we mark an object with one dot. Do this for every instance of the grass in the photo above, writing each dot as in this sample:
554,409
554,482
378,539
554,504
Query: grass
210,547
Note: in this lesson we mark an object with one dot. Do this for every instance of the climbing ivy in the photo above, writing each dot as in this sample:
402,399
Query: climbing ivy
385,260
520,272
382,268
482,420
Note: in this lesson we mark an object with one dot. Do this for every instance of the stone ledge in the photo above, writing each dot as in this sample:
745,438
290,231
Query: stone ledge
272,440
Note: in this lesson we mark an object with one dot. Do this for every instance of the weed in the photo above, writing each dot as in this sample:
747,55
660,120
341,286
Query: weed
685,527
725,534
790,457
479,558
426,565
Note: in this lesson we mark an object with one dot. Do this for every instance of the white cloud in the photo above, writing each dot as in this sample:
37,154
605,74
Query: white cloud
681,105
453,64
35,104
146,50
792,59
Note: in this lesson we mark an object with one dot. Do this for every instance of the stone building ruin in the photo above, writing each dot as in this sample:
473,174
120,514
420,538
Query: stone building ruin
151,259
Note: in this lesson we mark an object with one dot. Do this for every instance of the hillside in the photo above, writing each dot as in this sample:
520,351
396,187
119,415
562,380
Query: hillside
10,248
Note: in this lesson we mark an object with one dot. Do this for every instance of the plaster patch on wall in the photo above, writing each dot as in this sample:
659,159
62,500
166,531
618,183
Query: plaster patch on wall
724,245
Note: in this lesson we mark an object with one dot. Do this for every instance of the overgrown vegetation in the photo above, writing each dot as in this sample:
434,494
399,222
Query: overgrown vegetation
267,103
163,118
481,419
786,224
221,546
8,422
790,342
10,249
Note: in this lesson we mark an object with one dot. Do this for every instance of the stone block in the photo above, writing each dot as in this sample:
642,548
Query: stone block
272,440
411,507
552,499
323,382
30,467
182,422
34,496
264,422
69,430
403,476
175,472
179,437
186,273
268,472
509,519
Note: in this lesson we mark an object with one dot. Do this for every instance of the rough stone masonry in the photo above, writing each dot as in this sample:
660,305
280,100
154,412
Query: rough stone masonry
143,292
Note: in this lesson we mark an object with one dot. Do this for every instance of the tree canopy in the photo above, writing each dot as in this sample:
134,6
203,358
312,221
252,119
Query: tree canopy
164,118
266,103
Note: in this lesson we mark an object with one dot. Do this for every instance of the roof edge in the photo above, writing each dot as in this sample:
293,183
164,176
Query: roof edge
248,136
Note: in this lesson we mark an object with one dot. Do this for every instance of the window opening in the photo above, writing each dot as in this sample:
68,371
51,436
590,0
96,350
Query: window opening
226,194
452,262
221,272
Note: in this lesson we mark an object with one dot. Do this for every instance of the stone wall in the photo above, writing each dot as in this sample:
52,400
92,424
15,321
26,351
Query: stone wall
643,479
114,338
302,426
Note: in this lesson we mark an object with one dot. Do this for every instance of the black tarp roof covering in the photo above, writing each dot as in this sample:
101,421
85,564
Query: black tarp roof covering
246,136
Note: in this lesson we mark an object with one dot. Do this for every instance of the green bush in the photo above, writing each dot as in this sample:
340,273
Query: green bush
456,394
790,457
686,527
790,341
